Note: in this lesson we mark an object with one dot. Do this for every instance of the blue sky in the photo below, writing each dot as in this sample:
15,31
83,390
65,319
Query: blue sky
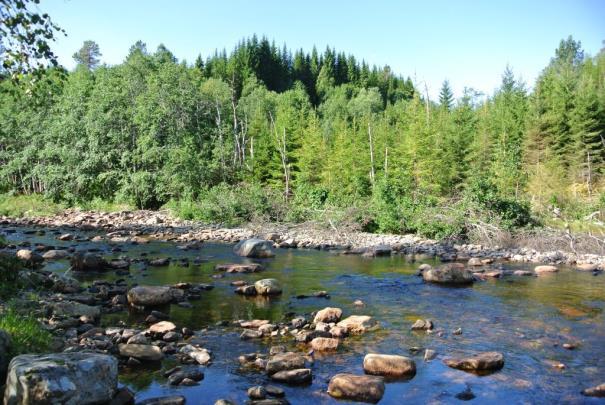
467,42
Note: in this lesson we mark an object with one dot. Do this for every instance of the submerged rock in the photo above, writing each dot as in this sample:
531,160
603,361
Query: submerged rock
448,274
598,391
66,378
356,387
87,262
389,365
169,400
294,376
254,248
586,267
239,268
488,361
149,295
546,269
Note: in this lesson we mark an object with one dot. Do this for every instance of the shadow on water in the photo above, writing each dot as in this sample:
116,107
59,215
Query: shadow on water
526,318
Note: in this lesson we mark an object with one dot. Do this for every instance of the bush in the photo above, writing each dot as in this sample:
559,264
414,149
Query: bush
10,267
307,203
483,197
27,333
230,205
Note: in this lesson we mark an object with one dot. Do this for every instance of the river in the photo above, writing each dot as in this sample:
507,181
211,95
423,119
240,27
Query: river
528,319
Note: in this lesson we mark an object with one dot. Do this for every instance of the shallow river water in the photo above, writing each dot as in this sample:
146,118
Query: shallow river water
526,318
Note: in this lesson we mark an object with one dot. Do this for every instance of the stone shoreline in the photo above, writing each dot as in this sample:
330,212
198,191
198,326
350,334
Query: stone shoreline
129,226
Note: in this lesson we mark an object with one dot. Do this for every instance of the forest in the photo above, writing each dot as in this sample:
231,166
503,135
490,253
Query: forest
264,133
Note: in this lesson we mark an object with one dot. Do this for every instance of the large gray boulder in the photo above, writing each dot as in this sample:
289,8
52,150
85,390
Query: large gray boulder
254,248
451,273
88,262
146,296
61,378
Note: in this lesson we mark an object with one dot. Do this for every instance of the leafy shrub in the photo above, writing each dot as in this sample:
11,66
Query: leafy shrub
10,267
509,213
308,200
229,205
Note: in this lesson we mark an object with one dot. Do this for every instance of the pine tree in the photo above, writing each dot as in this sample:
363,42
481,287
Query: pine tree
88,55
446,97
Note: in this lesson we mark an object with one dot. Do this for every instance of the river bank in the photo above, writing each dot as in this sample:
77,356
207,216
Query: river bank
160,225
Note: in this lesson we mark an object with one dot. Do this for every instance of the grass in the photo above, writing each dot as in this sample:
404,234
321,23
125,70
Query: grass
27,333
98,204
34,205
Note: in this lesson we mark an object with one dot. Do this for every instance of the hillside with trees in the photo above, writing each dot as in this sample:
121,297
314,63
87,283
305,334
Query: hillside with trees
266,133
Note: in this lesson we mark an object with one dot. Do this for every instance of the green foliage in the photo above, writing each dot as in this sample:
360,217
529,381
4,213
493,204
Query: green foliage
507,212
259,133
27,333
228,205
24,37
10,267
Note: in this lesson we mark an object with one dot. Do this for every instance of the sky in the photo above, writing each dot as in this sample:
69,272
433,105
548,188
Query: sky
469,43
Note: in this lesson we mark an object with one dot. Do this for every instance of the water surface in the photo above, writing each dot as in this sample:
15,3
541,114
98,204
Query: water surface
526,318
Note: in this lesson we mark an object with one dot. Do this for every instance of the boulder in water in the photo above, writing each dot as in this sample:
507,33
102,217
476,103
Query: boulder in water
149,295
487,361
360,388
389,365
258,248
267,286
448,274
88,262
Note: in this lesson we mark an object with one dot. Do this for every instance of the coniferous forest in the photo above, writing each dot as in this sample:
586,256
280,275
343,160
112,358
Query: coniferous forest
264,132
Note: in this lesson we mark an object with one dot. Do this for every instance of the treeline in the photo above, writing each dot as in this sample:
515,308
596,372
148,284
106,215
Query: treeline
260,131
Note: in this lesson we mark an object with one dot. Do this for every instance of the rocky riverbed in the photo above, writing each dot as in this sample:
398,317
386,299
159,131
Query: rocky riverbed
148,309
129,226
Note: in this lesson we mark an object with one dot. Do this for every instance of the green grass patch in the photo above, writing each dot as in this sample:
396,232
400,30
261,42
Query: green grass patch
34,205
27,333
98,204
